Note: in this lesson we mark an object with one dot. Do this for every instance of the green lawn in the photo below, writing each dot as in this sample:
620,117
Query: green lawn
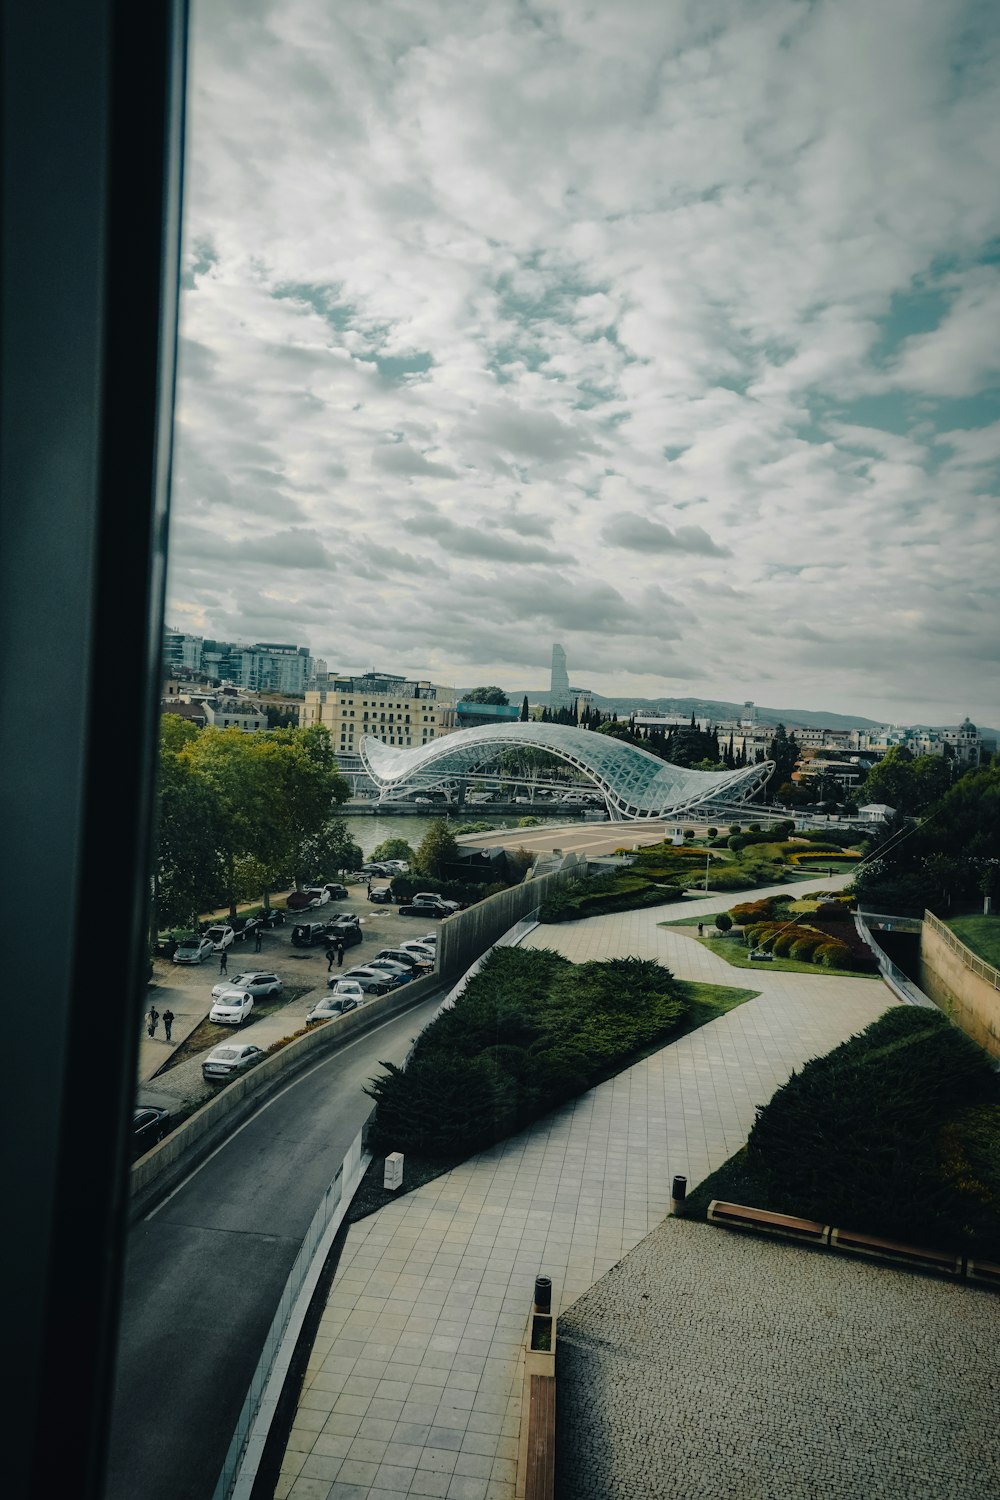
692,921
981,934
734,953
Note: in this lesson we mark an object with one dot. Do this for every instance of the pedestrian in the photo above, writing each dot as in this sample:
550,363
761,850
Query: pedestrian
369,885
224,962
168,1021
340,953
152,1016
331,954
701,929
256,941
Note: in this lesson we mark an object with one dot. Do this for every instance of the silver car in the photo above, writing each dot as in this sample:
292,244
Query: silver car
255,983
232,1057
332,1007
193,951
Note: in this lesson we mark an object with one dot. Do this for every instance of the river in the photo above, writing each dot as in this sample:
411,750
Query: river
371,830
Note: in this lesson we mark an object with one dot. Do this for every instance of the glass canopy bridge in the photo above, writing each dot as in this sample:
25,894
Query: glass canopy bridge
633,783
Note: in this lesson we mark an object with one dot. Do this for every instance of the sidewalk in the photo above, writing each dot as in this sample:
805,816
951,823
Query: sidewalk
413,1385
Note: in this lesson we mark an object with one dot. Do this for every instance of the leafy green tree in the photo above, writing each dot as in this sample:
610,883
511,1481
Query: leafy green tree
187,871
176,732
485,695
391,849
329,849
438,849
784,752
524,715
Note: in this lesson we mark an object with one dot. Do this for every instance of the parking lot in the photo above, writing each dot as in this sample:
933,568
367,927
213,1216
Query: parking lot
186,989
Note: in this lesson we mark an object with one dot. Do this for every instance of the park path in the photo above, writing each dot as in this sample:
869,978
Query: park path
413,1385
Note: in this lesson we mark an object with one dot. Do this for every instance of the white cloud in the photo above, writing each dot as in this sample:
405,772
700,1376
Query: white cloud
540,276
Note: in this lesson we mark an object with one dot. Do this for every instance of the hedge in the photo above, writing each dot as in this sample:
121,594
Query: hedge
529,1031
808,857
622,891
895,1132
804,947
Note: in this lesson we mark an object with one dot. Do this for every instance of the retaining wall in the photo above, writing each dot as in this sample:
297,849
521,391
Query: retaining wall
964,986
156,1173
466,936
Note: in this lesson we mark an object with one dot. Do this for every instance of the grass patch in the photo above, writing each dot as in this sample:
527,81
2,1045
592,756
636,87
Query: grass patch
693,921
981,934
734,953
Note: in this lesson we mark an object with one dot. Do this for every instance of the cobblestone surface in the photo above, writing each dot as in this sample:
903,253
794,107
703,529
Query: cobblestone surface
708,1366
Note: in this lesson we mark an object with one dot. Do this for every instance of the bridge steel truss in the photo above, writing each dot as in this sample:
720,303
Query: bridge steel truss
634,784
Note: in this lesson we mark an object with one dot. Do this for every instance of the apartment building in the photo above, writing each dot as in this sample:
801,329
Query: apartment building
392,709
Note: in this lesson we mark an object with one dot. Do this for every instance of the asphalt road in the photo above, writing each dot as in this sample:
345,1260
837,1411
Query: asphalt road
205,1272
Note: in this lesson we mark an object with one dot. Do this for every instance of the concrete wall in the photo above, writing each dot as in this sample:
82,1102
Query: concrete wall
466,936
965,988
156,1173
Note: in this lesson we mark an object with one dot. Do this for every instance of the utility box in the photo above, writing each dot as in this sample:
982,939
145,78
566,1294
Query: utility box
393,1178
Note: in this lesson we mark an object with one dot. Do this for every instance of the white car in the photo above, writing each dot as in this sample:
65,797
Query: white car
423,952
222,936
319,891
332,1007
232,1008
255,984
229,1059
399,865
194,950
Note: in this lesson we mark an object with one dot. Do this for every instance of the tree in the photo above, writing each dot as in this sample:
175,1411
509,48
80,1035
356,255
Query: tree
187,871
784,752
486,695
524,715
330,848
438,850
909,785
392,849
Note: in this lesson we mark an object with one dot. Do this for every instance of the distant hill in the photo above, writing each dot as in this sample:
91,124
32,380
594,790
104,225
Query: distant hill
714,708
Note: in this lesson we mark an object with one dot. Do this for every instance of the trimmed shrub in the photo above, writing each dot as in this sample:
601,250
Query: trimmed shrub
734,828
713,833
723,922
784,943
804,947
833,955
737,842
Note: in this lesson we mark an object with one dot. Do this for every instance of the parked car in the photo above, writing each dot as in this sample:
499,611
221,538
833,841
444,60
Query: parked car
398,973
430,938
404,956
427,908
193,950
330,1007
397,866
149,1126
381,895
245,927
303,900
423,951
272,916
372,981
441,900
306,934
221,936
321,891
346,929
256,983
367,871
231,1008
348,989
337,892
228,1059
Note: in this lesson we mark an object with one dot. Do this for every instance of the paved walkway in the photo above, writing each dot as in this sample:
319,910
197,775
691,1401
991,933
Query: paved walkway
413,1386
712,1366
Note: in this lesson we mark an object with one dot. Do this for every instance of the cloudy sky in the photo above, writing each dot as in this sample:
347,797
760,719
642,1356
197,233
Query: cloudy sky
667,329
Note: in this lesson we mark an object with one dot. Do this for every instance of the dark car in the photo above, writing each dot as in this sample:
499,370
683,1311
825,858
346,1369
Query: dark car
245,927
347,929
303,900
427,908
306,934
337,892
149,1125
382,895
272,917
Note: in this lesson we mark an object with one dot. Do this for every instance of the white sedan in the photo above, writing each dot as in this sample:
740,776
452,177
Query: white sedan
229,1059
232,1008
319,891
222,936
255,984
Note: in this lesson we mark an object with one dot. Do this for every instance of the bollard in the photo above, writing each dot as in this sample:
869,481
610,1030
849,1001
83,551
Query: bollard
543,1294
678,1193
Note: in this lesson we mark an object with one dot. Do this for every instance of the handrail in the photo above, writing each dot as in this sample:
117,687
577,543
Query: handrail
970,960
900,984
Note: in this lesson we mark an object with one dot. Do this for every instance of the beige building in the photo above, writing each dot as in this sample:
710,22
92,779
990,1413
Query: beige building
392,709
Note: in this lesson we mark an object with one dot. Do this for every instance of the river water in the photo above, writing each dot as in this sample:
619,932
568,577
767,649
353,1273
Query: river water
369,831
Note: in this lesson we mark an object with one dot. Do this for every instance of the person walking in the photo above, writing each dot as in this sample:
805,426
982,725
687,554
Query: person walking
152,1016
168,1021
331,954
224,962
340,953
257,939
369,885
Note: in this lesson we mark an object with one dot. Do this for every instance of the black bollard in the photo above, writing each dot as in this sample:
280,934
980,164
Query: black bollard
543,1294
678,1192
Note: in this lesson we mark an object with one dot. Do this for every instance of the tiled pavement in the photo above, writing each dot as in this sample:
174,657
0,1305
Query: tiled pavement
413,1384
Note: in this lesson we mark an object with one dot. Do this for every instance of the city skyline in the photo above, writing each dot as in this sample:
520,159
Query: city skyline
541,324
